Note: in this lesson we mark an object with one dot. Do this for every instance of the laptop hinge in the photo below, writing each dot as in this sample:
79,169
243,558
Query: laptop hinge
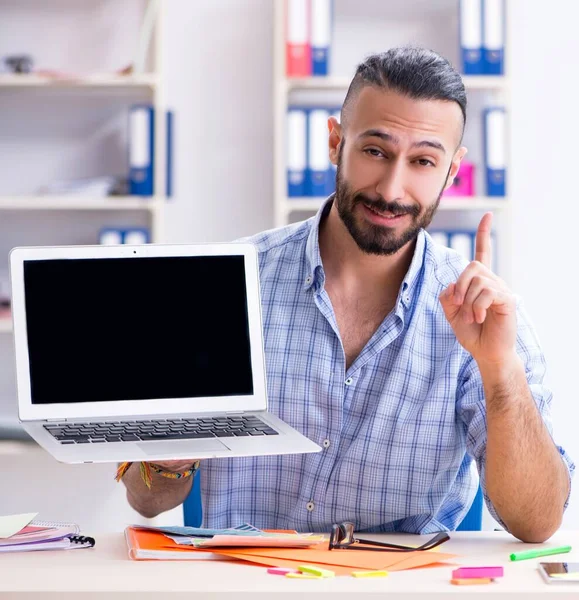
55,420
236,412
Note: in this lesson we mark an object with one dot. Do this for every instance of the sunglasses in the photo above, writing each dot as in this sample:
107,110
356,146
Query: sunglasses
342,537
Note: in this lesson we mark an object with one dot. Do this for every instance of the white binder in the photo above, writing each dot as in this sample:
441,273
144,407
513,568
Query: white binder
471,37
493,36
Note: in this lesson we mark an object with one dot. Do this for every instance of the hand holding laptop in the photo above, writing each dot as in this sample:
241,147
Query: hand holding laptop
175,466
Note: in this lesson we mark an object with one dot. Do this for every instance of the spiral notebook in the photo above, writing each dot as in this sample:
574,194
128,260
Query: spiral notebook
46,535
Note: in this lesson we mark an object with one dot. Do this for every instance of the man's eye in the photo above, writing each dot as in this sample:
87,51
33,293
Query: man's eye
373,152
424,162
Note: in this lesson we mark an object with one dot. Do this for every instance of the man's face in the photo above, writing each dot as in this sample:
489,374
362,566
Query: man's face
394,161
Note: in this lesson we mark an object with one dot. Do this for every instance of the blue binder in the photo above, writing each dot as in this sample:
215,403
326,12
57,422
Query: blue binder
495,151
110,236
471,32
141,150
463,242
296,158
321,36
336,113
493,36
319,180
136,235
440,237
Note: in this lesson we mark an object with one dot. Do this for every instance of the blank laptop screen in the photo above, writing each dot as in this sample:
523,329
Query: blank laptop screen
137,328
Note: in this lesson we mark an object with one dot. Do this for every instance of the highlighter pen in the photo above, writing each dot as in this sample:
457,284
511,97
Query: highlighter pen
539,553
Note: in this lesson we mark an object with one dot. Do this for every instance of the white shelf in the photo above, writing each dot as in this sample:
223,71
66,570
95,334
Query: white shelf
472,82
90,81
79,203
474,203
5,325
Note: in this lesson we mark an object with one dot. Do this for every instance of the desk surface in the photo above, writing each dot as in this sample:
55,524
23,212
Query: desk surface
106,572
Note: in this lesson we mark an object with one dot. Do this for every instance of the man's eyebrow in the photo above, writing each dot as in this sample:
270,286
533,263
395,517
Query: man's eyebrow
388,137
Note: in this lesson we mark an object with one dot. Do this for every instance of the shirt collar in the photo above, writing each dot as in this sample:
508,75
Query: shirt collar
315,271
314,268
411,280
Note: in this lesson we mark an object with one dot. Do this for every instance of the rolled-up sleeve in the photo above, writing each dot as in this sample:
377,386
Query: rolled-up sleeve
471,406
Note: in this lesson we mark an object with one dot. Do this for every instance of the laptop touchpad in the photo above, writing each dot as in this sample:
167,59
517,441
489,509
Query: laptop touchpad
182,448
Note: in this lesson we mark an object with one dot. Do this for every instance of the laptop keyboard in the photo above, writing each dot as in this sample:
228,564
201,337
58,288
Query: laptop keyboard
161,429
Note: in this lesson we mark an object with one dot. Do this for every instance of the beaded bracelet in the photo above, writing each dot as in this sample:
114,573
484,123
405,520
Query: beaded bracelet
146,468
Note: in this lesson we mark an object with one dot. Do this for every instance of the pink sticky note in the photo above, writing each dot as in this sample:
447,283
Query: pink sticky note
280,571
477,572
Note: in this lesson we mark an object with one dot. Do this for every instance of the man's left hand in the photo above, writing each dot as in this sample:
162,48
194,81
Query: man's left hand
479,306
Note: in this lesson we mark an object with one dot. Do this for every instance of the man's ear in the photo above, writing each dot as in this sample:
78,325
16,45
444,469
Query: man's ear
454,166
334,139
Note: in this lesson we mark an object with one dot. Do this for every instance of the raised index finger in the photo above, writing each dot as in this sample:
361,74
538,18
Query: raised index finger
483,252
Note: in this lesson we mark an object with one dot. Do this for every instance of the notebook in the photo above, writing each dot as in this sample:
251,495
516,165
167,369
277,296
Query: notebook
46,535
142,353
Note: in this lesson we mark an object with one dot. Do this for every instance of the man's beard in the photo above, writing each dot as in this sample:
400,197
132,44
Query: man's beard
378,239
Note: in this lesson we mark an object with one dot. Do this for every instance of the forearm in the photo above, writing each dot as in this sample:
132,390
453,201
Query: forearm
164,494
526,479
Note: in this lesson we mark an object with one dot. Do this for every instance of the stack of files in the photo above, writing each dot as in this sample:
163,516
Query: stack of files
309,170
183,543
90,187
482,36
308,26
153,544
21,533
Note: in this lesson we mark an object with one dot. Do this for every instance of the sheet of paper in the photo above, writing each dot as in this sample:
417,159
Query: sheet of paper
11,524
350,559
294,541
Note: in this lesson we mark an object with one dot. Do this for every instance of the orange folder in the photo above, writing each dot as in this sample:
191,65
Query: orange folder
346,560
342,562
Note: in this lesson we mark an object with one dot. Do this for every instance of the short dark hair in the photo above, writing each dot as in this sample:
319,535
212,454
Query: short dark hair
413,71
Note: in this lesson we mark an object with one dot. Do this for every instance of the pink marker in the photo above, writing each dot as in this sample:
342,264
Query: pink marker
477,572
280,571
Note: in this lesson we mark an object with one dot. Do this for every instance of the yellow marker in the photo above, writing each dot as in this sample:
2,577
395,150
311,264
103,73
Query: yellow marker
369,573
302,576
471,581
317,571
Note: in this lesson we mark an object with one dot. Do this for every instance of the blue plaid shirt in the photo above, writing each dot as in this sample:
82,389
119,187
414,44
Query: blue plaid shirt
403,430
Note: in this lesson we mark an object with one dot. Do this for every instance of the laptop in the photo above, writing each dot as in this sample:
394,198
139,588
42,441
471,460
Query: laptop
143,353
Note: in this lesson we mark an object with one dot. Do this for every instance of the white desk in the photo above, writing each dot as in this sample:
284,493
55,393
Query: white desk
106,572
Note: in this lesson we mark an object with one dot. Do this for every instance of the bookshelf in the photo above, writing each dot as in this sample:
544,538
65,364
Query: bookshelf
89,81
361,27
90,94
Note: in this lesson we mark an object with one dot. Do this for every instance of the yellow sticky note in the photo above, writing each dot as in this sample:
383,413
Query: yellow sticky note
317,571
302,576
369,573
471,581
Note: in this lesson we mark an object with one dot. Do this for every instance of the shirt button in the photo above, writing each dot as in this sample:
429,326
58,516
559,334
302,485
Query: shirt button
349,381
326,443
310,506
308,280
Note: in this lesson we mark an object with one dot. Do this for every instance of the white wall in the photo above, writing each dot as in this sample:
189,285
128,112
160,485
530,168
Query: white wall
544,151
219,82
